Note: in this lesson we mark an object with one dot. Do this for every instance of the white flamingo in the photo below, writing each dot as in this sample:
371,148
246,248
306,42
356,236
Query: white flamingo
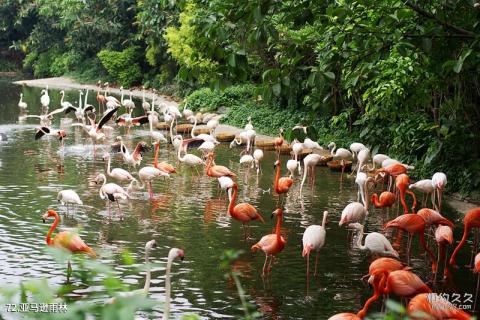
309,163
377,161
147,174
426,187
362,181
249,125
247,159
353,212
355,148
202,136
439,181
307,142
127,103
69,197
145,104
258,156
375,242
212,125
292,165
314,239
118,174
111,192
226,183
340,153
136,157
46,131
297,148
187,113
21,104
45,98
362,160
189,159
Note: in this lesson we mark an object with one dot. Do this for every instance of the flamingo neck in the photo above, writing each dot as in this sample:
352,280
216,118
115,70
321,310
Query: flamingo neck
148,276
424,245
54,225
194,126
179,155
109,172
231,205
378,282
277,177
121,97
324,220
209,165
166,310
278,226
375,201
155,160
466,231
61,100
360,239
333,149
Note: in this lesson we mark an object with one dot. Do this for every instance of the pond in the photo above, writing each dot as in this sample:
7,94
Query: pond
187,213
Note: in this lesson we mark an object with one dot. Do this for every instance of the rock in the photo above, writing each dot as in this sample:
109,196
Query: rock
336,165
162,126
225,136
184,128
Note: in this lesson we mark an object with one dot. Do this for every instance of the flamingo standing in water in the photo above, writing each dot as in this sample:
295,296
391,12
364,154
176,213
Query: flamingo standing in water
443,237
424,186
147,174
134,158
101,100
22,104
189,159
439,181
314,239
340,153
215,171
405,284
435,306
386,199
271,244
470,221
110,191
243,212
413,223
281,185
309,163
163,166
66,197
258,156
66,239
279,142
118,174
353,212
45,98
390,171
378,271
226,183
375,242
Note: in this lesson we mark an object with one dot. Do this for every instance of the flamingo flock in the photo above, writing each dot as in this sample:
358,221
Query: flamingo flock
389,273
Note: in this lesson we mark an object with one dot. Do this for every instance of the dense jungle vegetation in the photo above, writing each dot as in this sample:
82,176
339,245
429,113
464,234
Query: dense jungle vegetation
401,76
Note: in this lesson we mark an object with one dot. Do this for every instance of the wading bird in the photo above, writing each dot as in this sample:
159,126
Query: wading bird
45,131
66,239
375,242
22,104
439,181
443,237
69,197
215,171
413,223
173,254
470,221
386,199
314,240
271,244
243,212
283,184
340,153
110,191
436,306
118,174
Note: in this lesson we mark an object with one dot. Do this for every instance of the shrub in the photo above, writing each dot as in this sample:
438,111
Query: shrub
208,100
122,65
65,63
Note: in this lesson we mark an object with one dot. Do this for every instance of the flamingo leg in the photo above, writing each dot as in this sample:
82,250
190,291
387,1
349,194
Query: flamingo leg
265,264
438,263
270,264
343,169
119,210
308,265
410,237
316,264
476,293
69,271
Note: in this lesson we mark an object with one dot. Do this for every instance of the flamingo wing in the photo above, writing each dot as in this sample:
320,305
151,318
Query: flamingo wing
106,117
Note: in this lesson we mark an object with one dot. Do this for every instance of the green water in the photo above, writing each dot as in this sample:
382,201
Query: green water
186,213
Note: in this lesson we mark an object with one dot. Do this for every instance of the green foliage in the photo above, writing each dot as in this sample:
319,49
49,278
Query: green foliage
208,100
122,65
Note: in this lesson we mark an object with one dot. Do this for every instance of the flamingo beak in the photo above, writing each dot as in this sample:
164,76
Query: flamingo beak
45,217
